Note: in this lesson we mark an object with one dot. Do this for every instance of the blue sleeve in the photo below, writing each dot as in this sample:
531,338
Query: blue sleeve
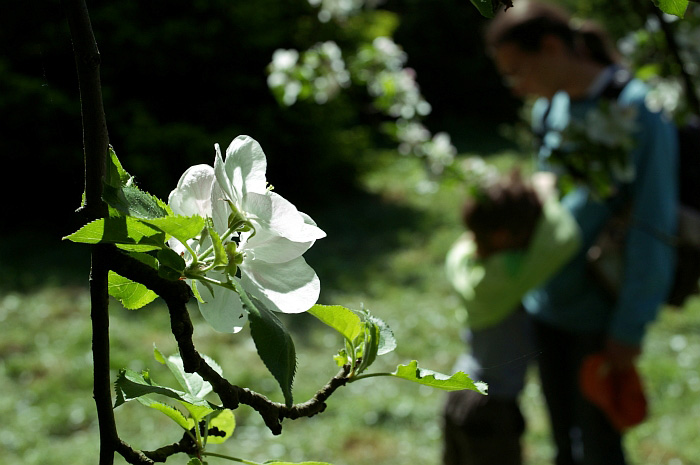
649,259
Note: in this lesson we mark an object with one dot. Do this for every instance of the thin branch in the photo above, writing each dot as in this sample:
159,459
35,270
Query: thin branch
132,456
176,294
95,136
95,146
102,385
185,446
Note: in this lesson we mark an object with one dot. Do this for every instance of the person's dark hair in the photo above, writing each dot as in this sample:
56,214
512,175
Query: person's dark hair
529,21
509,205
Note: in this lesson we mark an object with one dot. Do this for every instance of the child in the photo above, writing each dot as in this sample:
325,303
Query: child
516,239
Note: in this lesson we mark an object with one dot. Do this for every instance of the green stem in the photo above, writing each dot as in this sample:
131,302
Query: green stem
198,437
195,259
369,375
212,281
242,293
233,459
210,249
206,431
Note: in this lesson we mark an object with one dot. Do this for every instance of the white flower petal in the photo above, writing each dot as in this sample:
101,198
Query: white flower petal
192,196
220,209
224,312
221,178
244,168
290,287
281,217
271,248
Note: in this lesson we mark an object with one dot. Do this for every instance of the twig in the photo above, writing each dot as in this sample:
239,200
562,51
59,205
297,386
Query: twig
95,146
176,294
95,136
132,456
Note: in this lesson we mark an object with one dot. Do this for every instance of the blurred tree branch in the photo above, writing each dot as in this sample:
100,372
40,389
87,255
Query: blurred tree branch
674,50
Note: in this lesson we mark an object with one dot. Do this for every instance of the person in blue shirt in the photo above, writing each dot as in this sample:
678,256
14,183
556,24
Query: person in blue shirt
570,68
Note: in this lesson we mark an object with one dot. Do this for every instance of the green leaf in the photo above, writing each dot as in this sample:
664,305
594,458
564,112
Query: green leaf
224,421
115,175
220,256
192,383
131,385
364,334
145,258
141,248
169,274
181,228
129,200
369,346
387,341
121,193
119,230
456,382
198,412
341,358
173,413
158,355
648,71
195,461
345,321
673,7
132,295
274,344
171,264
195,291
485,7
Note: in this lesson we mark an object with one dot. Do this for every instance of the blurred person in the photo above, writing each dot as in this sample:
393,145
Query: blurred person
516,238
571,67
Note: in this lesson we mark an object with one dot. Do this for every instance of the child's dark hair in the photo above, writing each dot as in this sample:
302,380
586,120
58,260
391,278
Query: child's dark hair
510,205
529,21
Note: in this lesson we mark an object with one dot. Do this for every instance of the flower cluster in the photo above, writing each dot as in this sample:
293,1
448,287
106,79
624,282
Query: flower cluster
381,67
321,73
253,244
596,151
318,72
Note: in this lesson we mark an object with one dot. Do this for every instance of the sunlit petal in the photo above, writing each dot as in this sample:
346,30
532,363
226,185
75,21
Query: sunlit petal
220,208
243,170
223,311
281,217
193,193
222,179
290,287
272,248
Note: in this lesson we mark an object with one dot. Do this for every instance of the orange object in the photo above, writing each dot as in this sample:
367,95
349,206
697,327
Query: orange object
617,393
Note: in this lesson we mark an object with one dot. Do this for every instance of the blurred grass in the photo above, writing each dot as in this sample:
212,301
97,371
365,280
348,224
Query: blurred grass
384,251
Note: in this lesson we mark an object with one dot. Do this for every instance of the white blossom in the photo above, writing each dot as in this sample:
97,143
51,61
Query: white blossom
268,247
